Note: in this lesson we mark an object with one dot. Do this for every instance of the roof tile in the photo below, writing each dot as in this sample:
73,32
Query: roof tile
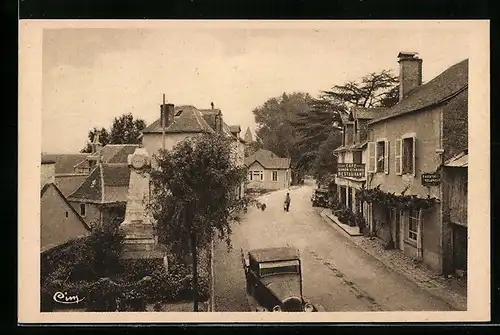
112,178
188,119
441,88
268,160
64,163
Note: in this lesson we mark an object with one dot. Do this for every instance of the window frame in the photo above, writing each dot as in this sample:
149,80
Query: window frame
84,209
378,168
259,173
360,156
274,173
404,168
385,157
413,216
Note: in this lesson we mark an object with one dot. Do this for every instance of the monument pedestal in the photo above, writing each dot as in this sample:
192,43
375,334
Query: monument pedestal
140,242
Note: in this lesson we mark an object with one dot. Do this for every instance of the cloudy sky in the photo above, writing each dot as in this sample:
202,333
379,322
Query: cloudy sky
92,75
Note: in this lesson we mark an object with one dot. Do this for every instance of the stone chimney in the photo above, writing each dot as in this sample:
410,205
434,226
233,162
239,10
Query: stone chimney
97,146
410,72
166,114
47,172
220,123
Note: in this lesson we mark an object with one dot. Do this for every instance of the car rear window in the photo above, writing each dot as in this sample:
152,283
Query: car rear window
272,268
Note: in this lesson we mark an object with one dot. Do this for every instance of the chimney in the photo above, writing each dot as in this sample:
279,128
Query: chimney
220,123
48,172
166,115
96,144
410,72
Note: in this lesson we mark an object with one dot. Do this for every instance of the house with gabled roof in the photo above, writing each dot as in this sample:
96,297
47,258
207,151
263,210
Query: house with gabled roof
103,194
71,170
184,121
267,171
59,221
407,149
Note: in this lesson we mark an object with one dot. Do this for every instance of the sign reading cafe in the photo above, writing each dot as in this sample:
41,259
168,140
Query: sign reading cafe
352,170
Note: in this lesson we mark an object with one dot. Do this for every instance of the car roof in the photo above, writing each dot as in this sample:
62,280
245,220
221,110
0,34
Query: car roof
274,254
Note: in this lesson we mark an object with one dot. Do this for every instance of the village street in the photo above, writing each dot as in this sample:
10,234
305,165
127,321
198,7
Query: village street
337,275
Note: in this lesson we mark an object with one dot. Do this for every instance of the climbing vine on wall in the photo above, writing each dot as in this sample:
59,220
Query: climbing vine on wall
376,195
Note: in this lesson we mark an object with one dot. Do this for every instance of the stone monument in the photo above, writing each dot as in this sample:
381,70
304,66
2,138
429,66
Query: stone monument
140,241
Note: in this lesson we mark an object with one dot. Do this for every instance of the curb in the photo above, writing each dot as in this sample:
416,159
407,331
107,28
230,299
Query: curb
340,225
438,295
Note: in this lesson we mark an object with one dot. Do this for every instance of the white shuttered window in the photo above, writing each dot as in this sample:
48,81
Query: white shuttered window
386,157
398,146
372,166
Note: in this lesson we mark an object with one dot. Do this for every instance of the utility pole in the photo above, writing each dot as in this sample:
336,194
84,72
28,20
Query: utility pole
163,125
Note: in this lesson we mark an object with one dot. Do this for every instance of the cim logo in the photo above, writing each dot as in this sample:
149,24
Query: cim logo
64,298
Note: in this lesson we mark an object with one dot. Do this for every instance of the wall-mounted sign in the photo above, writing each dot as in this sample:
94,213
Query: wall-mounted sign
431,179
351,170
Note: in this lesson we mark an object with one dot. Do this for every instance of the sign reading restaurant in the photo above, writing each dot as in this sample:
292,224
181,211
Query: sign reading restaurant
351,170
431,179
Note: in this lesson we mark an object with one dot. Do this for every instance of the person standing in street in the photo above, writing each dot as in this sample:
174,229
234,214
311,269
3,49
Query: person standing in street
287,202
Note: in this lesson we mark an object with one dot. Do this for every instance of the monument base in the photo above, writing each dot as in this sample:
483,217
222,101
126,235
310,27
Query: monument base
140,243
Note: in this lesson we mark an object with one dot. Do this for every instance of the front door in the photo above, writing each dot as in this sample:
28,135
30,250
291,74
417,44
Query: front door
459,247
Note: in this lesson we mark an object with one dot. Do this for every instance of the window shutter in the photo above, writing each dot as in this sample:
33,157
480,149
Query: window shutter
372,157
398,148
386,157
414,155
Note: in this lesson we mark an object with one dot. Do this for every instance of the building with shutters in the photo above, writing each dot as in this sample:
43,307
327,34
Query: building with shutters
408,145
352,156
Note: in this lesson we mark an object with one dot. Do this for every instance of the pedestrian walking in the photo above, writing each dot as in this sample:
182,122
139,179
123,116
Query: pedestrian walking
287,202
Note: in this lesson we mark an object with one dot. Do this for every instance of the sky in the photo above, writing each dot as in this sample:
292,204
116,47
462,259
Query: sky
92,75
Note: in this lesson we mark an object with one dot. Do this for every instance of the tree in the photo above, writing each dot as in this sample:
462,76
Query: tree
321,122
252,147
193,195
124,130
103,139
275,122
325,163
373,90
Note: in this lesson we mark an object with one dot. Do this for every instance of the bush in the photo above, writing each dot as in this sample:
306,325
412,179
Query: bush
346,217
334,204
360,222
91,268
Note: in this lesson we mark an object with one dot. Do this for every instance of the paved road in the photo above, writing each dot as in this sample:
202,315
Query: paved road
337,274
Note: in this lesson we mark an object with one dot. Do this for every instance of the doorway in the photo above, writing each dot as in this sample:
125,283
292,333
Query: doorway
400,228
459,247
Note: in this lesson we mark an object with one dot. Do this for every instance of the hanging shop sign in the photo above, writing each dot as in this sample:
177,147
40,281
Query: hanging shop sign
431,179
351,170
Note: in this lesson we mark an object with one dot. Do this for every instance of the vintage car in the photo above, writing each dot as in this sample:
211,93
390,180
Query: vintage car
274,280
320,198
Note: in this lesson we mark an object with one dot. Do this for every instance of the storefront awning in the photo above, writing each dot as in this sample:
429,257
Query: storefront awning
460,160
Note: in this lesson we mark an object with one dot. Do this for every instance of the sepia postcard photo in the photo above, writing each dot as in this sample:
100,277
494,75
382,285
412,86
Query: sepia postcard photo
253,171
